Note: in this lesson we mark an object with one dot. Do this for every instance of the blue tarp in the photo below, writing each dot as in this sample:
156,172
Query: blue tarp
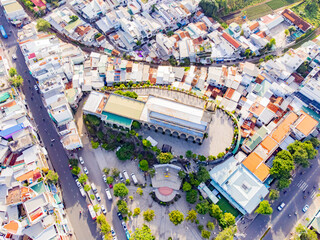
7,133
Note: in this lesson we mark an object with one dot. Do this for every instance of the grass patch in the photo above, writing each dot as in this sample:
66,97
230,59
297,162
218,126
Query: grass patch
312,15
275,4
258,11
225,206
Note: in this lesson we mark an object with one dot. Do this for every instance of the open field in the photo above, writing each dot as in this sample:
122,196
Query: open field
258,11
275,4
312,17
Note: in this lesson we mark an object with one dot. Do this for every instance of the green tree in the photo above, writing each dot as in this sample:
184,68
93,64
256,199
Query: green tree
302,152
143,233
292,29
136,125
215,211
74,18
315,142
272,42
189,154
104,226
205,234
73,162
115,172
165,157
264,208
92,196
286,32
42,25
83,178
136,212
75,170
202,158
86,188
192,216
120,190
144,165
146,143
106,171
127,181
140,191
304,233
12,72
274,194
203,174
148,215
283,183
110,180
202,207
227,233
122,207
192,196
16,81
227,220
52,177
170,33
97,35
94,144
186,187
176,217
182,174
210,226
96,207
138,43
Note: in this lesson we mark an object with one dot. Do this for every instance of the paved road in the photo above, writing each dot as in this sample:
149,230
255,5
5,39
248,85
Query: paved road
84,227
280,222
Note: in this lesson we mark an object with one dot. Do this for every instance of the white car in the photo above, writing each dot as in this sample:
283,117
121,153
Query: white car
305,208
103,209
78,183
14,57
98,197
104,178
281,206
113,233
36,88
81,160
85,170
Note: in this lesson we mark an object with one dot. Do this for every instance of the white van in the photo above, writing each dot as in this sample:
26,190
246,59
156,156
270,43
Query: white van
83,193
121,177
93,187
108,194
125,174
134,179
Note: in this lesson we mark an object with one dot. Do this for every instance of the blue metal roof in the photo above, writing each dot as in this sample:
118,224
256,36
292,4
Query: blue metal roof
9,131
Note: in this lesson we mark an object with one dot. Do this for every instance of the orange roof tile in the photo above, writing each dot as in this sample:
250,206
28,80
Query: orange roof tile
273,107
12,226
262,172
284,127
198,13
252,161
231,40
35,174
201,26
269,144
256,109
260,79
229,93
254,26
307,124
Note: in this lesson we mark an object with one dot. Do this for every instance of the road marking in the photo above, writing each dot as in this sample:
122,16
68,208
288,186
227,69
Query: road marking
313,194
302,185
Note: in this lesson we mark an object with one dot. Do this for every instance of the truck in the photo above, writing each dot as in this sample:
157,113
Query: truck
94,188
125,174
108,194
3,32
92,212
134,179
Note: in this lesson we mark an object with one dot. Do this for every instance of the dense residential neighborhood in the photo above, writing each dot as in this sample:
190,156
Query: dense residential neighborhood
147,119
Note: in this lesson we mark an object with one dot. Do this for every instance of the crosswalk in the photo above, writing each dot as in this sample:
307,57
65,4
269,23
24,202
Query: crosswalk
302,185
313,194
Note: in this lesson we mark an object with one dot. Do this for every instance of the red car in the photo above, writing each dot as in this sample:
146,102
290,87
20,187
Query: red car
110,186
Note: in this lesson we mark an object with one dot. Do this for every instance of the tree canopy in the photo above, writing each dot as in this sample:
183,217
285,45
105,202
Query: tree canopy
52,176
16,80
186,187
176,217
120,190
122,207
227,233
148,215
165,157
143,233
192,196
203,174
264,208
304,233
202,207
302,152
192,216
42,25
12,72
83,178
274,194
144,165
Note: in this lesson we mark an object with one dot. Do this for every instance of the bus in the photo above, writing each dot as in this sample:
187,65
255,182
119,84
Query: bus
3,32
92,212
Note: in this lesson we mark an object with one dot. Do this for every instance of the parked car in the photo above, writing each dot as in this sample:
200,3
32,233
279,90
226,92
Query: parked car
108,194
94,188
125,174
128,235
85,170
83,193
281,206
81,160
103,209
78,183
113,233
70,166
110,186
124,226
36,88
305,208
134,179
14,57
98,197
120,216
104,178
121,177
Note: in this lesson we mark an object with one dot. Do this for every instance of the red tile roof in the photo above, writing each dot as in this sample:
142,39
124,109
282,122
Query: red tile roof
296,20
231,40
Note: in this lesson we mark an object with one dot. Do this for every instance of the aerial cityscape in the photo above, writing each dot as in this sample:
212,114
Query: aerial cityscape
159,119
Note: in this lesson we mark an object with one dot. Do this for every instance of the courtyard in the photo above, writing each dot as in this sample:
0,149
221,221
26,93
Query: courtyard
220,136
